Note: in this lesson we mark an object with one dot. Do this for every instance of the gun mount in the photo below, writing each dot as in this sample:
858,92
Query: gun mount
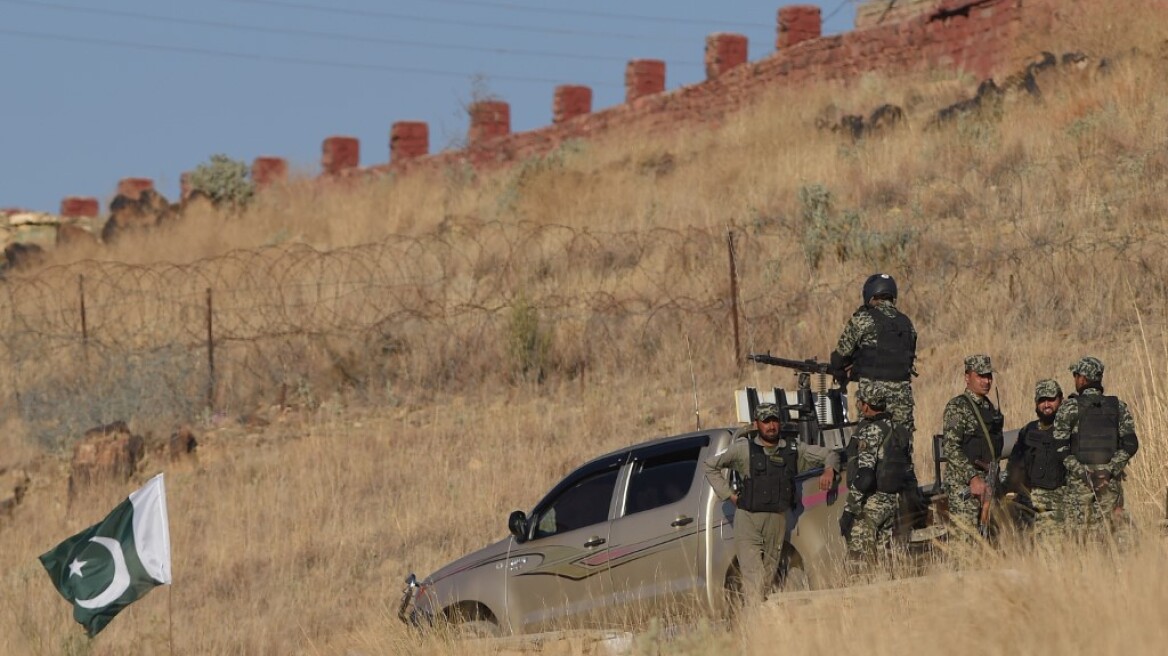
821,413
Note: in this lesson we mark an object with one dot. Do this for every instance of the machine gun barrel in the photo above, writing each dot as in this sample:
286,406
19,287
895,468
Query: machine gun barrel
810,366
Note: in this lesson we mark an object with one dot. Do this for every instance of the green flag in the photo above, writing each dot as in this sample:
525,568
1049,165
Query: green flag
112,564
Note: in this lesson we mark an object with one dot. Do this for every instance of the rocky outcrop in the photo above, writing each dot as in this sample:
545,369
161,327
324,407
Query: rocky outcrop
106,453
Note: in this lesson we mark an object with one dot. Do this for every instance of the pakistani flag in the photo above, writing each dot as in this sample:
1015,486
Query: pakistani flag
110,565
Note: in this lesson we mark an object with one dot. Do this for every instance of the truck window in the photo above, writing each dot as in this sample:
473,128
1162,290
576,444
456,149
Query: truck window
580,505
661,480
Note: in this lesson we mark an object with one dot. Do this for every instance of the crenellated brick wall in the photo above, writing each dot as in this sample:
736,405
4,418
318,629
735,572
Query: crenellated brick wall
976,36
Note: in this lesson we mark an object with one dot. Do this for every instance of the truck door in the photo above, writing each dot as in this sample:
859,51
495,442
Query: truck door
558,578
655,550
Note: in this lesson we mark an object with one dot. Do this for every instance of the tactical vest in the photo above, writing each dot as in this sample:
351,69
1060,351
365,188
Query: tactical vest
770,487
891,358
1097,437
895,465
852,452
974,445
1044,467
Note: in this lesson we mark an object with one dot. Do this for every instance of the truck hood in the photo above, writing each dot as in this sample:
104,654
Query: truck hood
490,553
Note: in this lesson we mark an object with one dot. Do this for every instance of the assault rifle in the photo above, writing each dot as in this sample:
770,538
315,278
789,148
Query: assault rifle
992,477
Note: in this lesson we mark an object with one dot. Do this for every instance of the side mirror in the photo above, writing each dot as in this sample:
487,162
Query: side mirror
517,524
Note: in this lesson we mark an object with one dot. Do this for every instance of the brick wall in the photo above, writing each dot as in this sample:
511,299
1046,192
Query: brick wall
976,36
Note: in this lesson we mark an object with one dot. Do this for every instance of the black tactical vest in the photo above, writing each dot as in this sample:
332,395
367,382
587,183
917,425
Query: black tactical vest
895,465
852,452
891,359
974,444
770,487
1097,437
1044,467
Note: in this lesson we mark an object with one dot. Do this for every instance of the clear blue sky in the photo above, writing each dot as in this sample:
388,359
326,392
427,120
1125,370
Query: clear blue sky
92,91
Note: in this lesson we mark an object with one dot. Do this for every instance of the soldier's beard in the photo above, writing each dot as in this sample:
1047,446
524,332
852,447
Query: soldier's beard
1044,417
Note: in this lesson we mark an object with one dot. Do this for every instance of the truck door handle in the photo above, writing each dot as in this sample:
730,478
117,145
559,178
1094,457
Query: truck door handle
681,520
594,541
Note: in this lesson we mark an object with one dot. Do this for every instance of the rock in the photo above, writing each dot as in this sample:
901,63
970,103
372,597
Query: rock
105,453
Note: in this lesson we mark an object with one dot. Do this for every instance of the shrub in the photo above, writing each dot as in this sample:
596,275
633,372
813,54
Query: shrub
225,181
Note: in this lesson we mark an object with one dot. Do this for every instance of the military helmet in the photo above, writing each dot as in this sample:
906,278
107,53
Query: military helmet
879,284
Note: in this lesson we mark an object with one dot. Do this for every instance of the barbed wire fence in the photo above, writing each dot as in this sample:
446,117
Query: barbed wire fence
93,342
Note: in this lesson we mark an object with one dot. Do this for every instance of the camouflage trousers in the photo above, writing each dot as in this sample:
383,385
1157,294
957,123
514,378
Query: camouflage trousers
964,513
1094,511
900,401
872,531
758,543
1049,511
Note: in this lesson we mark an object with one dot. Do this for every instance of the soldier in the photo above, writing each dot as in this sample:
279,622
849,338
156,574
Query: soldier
767,457
879,344
972,444
1036,470
1095,436
879,464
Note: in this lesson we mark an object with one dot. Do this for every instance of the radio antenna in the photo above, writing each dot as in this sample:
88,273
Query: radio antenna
693,382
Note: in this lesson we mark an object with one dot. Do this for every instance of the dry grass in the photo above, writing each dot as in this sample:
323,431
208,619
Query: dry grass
1036,239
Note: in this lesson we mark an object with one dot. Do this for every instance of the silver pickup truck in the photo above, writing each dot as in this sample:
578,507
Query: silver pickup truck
635,532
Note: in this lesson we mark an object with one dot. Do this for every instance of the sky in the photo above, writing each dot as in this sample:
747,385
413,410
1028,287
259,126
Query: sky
92,91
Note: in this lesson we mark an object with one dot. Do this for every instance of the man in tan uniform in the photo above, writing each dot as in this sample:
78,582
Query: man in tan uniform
767,456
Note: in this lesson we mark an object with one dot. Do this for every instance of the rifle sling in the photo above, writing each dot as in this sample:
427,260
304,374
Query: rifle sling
985,431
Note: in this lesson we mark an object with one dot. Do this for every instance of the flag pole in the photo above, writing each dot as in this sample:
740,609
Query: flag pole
170,617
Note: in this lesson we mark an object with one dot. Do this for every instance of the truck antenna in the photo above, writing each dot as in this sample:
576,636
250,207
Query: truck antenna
693,382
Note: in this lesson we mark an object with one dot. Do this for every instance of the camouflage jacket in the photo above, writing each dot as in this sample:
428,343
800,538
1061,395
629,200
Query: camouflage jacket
861,330
961,420
737,458
1066,424
870,435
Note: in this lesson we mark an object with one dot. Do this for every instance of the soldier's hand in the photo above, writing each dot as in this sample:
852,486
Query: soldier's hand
826,479
1100,479
977,486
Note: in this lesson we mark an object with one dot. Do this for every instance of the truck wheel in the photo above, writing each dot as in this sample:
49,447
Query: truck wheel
476,629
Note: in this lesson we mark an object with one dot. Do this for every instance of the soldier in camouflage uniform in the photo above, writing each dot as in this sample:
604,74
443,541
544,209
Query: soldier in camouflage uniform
1096,437
1036,470
879,345
879,461
971,442
766,457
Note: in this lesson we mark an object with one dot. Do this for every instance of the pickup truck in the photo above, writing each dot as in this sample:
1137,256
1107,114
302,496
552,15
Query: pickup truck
632,533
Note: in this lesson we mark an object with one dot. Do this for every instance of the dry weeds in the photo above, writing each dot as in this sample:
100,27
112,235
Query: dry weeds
1036,239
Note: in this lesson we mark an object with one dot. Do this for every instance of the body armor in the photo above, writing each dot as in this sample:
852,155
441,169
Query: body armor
895,466
1044,467
975,445
1097,437
891,358
770,487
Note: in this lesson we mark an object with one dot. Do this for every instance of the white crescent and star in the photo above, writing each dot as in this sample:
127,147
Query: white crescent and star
120,582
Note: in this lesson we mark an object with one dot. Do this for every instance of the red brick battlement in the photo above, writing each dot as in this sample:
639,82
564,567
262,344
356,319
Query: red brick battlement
980,37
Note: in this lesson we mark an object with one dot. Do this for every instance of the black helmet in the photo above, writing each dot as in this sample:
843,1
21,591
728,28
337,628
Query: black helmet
879,284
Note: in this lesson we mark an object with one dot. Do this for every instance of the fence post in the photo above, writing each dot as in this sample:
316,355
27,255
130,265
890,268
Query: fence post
84,324
734,298
210,356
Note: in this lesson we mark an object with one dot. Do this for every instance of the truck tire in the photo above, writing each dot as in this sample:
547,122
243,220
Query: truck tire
476,629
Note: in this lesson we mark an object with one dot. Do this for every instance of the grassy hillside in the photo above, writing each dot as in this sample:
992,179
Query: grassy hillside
580,301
